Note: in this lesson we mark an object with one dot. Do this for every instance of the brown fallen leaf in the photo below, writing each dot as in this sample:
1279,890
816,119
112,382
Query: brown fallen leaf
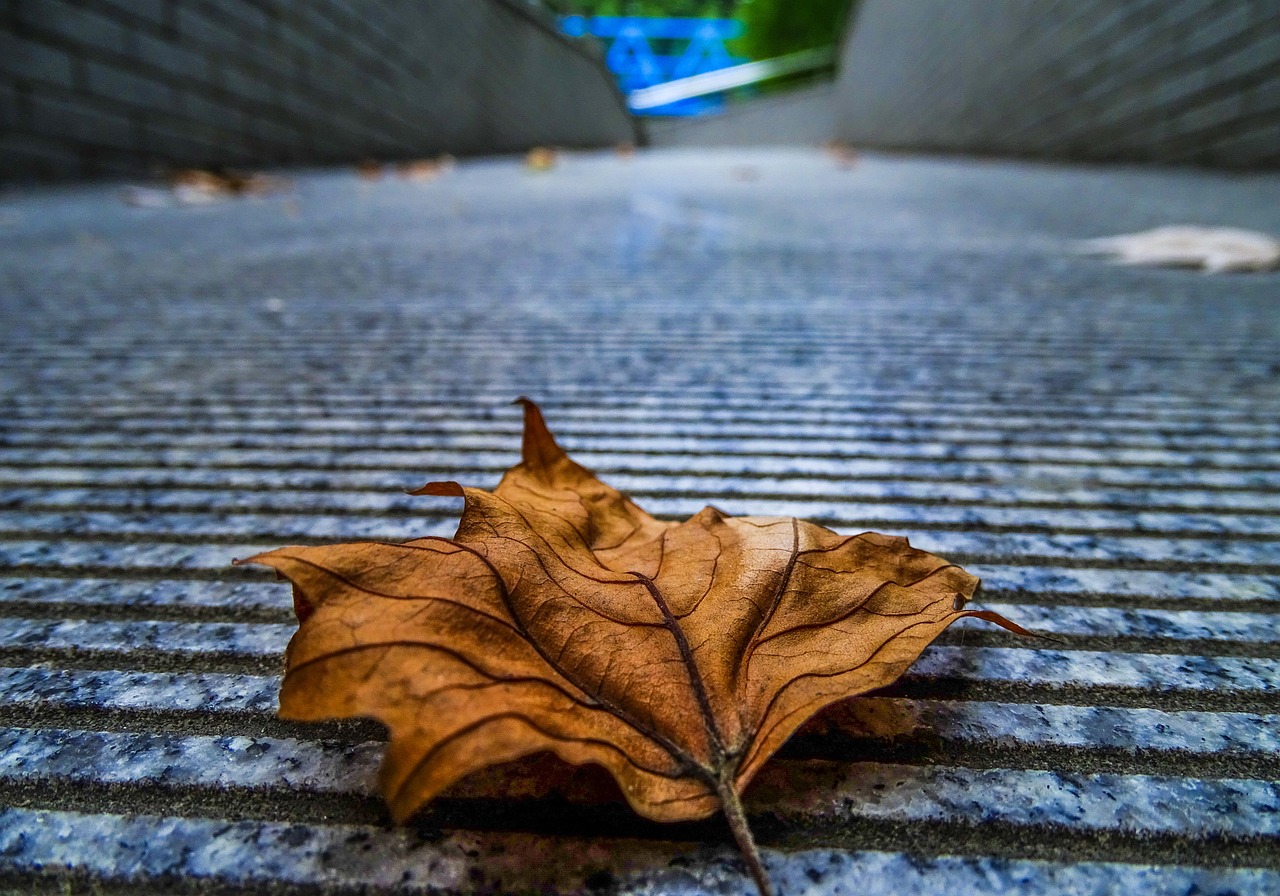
562,618
197,186
369,169
425,169
843,153
541,158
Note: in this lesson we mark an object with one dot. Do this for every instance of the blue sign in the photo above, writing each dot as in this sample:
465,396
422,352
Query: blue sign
631,56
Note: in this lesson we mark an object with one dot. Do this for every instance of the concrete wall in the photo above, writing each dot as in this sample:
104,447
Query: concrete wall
1193,81
101,87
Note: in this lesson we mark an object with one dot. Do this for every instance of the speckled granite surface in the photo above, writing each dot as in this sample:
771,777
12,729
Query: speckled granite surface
908,345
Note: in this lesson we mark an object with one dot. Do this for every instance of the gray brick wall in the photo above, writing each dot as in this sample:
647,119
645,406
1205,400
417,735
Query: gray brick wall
118,87
1184,81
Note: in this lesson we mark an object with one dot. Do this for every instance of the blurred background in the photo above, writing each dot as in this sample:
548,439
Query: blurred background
110,87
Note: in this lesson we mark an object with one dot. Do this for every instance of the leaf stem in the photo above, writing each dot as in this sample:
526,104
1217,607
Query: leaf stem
737,819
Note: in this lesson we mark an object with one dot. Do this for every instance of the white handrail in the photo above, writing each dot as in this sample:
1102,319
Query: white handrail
728,78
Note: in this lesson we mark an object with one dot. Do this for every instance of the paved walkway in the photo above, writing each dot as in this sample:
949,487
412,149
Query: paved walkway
907,345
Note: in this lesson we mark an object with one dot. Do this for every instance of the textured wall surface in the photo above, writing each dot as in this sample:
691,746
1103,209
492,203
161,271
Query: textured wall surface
911,346
101,87
1193,81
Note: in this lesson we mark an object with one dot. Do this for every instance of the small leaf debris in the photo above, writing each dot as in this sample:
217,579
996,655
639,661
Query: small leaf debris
1212,249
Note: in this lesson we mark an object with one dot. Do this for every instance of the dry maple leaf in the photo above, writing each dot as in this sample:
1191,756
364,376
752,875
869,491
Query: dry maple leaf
563,618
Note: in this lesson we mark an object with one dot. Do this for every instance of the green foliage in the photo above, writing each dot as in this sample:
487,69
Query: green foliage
774,27
777,27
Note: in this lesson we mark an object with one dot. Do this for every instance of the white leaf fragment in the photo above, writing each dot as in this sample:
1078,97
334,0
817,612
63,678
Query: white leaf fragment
1215,249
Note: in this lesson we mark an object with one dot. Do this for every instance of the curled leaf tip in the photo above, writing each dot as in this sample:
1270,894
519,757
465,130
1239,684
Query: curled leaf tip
539,449
256,559
447,489
991,616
